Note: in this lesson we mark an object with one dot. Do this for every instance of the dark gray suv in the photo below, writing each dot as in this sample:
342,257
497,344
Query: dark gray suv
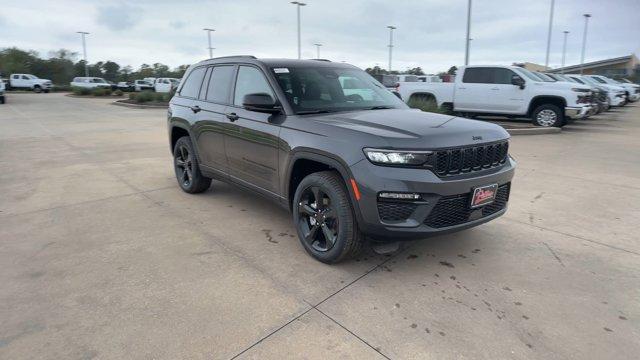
336,148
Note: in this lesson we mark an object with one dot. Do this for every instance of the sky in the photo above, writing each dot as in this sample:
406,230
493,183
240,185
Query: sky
430,33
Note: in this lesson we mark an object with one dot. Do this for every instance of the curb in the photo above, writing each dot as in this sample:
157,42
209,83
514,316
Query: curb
91,96
534,131
139,106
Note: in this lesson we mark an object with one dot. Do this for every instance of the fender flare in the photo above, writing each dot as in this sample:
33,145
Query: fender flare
327,159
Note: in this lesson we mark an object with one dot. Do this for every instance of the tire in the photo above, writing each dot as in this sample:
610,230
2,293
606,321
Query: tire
46,91
333,217
187,169
548,115
37,89
2,100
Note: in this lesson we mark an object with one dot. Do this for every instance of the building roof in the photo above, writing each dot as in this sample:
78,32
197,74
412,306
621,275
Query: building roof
596,64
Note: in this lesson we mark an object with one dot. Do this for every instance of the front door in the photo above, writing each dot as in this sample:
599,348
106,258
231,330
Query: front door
252,139
505,97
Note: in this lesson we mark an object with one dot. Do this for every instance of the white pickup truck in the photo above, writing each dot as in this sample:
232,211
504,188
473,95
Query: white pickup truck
504,91
632,91
31,82
1,91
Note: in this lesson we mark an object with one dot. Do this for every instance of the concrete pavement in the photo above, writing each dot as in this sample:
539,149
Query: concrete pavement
102,256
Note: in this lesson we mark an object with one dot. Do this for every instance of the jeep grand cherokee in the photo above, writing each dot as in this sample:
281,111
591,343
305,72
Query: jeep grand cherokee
336,148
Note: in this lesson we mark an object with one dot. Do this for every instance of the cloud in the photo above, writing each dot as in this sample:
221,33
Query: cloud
118,18
177,24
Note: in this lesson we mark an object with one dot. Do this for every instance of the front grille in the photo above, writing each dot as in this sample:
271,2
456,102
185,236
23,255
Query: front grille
468,159
395,211
455,210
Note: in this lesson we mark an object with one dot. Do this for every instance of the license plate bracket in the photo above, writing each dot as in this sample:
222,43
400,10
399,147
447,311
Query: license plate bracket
483,195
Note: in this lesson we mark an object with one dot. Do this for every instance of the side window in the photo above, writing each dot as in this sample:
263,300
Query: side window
220,84
16,77
250,81
24,77
203,88
502,76
478,76
191,86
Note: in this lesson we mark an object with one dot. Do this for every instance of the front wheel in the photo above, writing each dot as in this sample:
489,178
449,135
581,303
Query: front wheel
37,89
324,218
187,169
548,115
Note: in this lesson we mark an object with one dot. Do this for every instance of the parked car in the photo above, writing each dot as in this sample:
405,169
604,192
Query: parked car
505,91
90,82
165,85
30,82
141,85
596,106
617,94
126,86
344,167
2,87
632,91
601,94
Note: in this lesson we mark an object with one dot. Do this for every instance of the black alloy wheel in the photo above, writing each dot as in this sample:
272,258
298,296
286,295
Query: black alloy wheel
185,163
184,166
318,221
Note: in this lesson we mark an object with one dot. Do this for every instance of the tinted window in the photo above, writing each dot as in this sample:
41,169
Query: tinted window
250,81
203,87
220,84
502,76
478,76
191,86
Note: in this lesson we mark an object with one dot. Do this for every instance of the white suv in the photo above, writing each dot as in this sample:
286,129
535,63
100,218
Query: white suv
31,82
90,83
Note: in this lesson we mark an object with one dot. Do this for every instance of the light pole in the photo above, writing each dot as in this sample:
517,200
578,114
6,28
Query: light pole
84,51
546,60
209,31
318,49
391,28
298,5
466,51
584,41
564,50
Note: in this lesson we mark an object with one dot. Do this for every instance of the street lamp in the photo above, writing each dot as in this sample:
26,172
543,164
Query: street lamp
209,31
564,50
318,49
298,5
391,28
546,60
584,41
466,51
84,51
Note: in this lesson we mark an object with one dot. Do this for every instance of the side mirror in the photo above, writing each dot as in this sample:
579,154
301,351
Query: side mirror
517,81
261,102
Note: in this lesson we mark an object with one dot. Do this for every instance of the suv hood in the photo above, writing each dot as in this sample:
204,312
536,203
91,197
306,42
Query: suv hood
415,129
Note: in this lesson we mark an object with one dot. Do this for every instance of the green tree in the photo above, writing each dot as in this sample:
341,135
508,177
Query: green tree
110,70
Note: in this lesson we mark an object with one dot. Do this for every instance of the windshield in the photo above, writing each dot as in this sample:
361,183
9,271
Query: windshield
599,80
528,74
545,77
578,80
324,89
565,78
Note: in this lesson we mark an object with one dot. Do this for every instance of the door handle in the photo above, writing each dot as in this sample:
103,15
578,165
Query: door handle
195,109
232,116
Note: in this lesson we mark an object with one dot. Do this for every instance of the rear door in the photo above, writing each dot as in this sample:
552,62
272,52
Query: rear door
471,93
252,139
212,123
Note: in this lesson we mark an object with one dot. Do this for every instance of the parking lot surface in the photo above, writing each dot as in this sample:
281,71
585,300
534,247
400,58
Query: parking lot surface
103,256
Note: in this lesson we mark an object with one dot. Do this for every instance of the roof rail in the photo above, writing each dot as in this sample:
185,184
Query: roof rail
234,56
327,60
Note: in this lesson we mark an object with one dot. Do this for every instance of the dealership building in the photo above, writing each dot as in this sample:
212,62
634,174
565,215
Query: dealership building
624,66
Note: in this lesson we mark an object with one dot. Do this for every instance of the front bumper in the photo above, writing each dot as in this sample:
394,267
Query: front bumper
618,100
421,219
634,97
577,112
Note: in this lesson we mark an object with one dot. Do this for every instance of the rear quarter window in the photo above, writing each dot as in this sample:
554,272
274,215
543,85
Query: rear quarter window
191,86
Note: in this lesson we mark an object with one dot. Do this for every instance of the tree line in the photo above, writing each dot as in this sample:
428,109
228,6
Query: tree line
377,70
61,67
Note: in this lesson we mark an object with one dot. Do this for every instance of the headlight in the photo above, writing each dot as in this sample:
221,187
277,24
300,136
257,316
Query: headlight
396,157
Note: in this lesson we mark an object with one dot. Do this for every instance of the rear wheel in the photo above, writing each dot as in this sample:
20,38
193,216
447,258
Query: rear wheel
324,218
548,115
187,169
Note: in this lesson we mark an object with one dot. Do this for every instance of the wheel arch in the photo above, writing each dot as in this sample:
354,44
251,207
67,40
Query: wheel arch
546,99
298,168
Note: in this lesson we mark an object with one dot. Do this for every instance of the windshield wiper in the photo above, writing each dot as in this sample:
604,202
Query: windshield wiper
305,112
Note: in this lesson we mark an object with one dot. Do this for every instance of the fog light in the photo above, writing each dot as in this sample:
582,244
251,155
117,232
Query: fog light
399,196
